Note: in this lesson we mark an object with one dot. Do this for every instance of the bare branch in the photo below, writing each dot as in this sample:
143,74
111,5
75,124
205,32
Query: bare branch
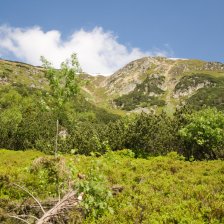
31,216
16,217
37,201
68,201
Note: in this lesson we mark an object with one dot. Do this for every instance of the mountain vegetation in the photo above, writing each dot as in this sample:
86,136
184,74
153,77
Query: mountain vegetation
144,145
118,187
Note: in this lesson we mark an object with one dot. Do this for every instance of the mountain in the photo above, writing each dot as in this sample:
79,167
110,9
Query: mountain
148,84
28,82
156,83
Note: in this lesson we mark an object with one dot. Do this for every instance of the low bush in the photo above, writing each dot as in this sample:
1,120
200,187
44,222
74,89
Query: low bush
163,189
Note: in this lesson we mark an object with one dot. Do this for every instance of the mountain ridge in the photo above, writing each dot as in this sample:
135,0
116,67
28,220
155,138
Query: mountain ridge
148,83
159,80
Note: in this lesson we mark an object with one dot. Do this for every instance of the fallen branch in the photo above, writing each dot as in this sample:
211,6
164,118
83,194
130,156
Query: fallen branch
24,189
17,217
68,201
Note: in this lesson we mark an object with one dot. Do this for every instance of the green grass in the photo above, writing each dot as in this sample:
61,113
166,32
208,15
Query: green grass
14,163
215,74
156,190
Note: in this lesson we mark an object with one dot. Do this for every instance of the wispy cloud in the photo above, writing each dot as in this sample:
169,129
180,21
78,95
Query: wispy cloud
98,51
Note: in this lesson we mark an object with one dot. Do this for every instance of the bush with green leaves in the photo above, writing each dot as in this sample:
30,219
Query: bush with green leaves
162,189
96,192
151,135
204,134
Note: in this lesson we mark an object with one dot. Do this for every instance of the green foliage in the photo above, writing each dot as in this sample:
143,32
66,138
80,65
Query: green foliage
151,135
204,133
96,192
25,123
145,134
140,96
116,133
64,82
163,189
11,118
51,172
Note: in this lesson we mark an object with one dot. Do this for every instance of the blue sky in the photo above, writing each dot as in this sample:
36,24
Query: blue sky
112,33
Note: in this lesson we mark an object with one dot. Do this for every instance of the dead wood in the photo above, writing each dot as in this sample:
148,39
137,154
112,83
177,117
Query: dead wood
70,200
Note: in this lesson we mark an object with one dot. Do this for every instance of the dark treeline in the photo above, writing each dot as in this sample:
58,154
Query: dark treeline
85,129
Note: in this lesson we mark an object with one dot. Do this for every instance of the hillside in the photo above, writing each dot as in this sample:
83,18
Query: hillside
153,83
147,84
29,80
145,168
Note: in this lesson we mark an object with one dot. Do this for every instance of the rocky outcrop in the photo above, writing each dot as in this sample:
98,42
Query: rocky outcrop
190,90
4,81
213,66
141,83
126,79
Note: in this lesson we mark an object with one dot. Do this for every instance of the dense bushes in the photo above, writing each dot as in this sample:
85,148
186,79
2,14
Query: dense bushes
163,189
27,123
151,135
204,134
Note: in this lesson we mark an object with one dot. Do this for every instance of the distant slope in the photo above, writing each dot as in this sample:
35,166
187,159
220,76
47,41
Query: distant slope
26,78
155,83
148,84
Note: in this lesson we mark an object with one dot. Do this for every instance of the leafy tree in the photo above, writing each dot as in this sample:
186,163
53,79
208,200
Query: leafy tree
204,133
64,85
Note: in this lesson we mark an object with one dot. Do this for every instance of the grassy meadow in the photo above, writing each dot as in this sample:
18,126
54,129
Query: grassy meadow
162,189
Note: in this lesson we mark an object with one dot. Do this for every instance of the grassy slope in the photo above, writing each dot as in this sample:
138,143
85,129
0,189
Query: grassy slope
32,77
21,76
156,190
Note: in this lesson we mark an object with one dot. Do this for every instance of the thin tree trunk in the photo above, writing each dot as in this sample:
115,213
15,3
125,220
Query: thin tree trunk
56,139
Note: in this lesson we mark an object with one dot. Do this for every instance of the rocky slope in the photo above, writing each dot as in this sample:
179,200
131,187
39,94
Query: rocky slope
155,83
147,84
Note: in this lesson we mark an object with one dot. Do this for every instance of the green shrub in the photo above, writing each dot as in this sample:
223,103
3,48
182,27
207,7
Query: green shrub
163,189
204,133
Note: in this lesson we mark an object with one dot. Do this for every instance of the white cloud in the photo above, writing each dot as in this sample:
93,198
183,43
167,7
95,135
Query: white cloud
98,51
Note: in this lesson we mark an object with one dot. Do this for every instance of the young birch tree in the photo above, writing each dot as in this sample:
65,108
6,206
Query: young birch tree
64,84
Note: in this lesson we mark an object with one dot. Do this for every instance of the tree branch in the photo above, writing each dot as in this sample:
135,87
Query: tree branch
68,201
16,217
37,201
